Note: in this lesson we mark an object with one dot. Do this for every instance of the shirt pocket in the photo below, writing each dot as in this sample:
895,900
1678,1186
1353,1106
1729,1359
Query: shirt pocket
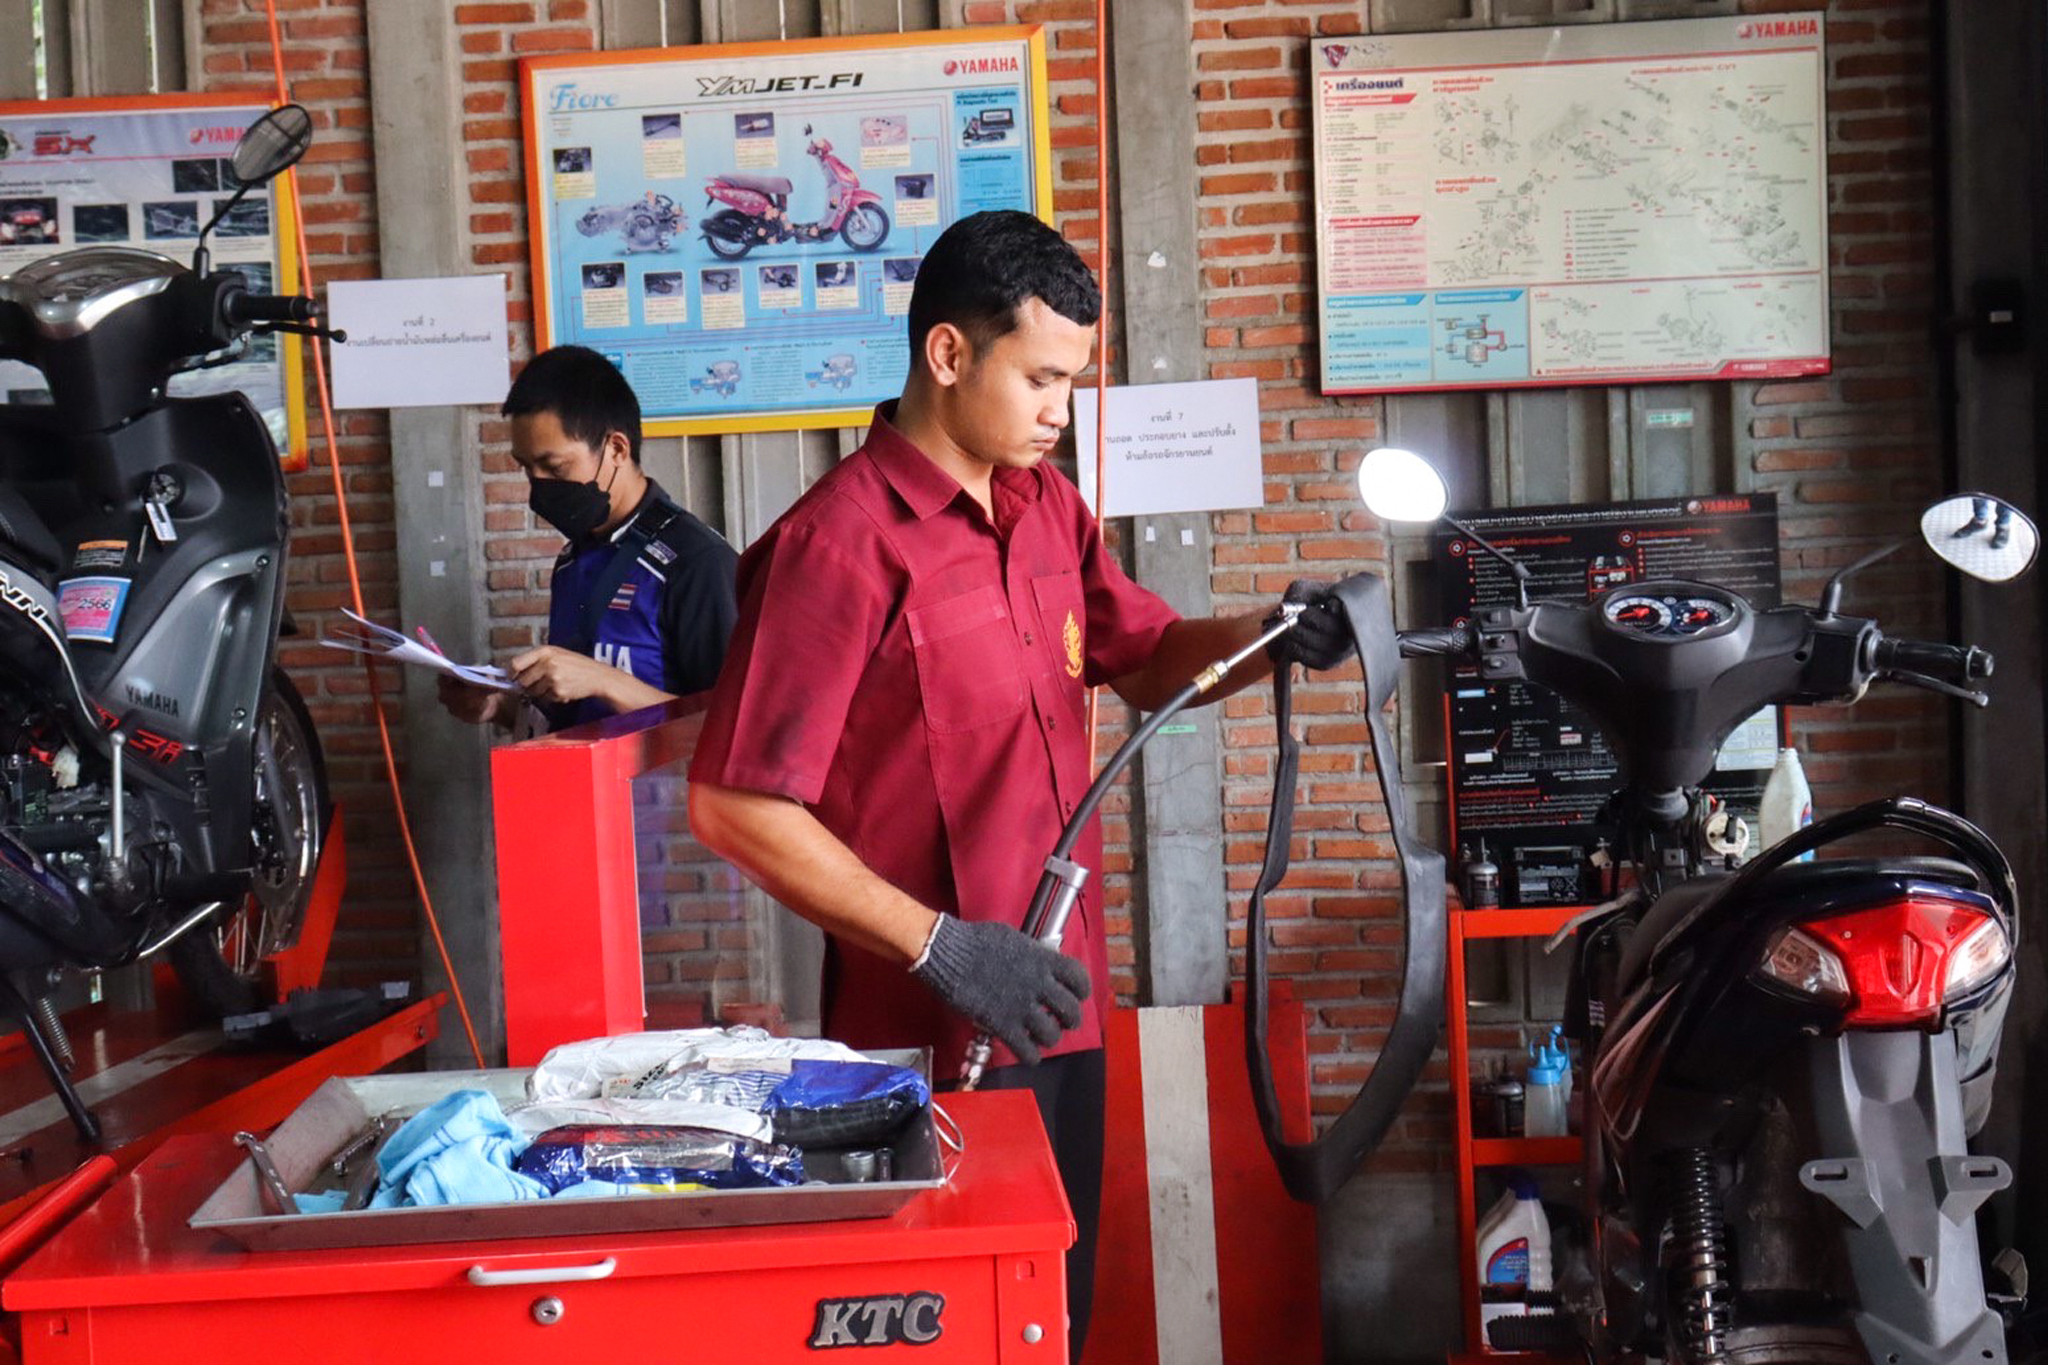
967,665
1063,627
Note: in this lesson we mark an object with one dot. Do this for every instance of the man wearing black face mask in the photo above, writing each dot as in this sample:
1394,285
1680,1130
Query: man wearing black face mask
641,602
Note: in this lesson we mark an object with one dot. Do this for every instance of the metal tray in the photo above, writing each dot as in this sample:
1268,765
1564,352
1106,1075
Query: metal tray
343,1106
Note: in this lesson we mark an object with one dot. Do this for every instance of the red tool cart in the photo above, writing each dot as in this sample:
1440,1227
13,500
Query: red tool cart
973,1272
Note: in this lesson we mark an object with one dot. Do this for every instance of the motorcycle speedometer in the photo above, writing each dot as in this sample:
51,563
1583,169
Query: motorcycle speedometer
1638,612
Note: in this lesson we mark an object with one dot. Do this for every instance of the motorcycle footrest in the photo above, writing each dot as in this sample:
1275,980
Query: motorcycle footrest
1963,1183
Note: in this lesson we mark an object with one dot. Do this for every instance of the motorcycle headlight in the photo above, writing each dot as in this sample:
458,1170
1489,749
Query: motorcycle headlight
1802,963
1978,958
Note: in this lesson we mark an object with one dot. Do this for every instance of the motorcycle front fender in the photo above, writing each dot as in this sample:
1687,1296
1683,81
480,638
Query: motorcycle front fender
1905,1190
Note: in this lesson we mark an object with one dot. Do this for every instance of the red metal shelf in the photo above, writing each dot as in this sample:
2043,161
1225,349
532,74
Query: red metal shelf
1540,922
1552,1151
1475,1154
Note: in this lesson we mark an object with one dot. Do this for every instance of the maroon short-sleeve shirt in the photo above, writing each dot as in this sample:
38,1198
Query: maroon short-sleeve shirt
916,673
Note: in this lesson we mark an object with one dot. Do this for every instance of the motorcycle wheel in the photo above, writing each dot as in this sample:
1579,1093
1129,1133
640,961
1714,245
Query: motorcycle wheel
220,963
728,248
866,228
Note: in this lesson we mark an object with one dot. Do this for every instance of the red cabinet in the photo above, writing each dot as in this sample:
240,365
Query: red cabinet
973,1272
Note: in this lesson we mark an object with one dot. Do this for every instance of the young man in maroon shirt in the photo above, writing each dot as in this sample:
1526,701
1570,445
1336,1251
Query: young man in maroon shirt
900,729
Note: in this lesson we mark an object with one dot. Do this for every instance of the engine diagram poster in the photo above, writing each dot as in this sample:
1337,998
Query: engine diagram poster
150,172
1598,203
738,228
1529,772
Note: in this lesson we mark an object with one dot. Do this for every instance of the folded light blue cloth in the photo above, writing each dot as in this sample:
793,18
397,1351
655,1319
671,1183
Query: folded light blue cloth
460,1150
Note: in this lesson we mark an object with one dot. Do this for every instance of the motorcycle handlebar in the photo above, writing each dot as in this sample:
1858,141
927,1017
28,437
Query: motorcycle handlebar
1437,640
246,309
1959,664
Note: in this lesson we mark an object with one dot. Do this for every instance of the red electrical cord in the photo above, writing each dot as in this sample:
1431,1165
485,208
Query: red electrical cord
348,550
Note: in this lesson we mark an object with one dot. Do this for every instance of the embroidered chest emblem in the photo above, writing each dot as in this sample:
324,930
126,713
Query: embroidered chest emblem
1070,635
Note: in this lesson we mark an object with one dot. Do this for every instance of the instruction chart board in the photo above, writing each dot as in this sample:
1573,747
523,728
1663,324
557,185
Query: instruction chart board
150,171
1597,203
739,227
1530,772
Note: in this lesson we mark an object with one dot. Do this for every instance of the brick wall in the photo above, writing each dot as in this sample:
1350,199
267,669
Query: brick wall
1850,455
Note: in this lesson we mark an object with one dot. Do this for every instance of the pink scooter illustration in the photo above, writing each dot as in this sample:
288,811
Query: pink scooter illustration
757,212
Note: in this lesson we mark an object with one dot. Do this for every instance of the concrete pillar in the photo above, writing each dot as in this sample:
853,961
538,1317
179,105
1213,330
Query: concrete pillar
437,476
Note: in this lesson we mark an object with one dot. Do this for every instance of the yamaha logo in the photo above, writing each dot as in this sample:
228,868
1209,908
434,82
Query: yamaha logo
1778,28
882,1320
981,66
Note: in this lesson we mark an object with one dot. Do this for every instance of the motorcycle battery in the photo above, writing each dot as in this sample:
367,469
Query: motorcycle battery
1548,874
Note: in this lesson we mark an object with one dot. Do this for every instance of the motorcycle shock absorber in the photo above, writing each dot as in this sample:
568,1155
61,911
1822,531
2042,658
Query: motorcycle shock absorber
1705,1309
52,1025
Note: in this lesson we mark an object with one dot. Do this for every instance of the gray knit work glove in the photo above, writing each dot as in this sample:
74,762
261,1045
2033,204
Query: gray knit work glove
1321,638
1025,994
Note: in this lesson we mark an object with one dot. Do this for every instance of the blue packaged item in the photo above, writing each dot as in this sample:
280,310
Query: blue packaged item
648,1155
831,1104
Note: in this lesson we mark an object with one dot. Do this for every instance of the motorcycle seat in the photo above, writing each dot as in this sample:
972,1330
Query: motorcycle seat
1817,882
24,538
760,184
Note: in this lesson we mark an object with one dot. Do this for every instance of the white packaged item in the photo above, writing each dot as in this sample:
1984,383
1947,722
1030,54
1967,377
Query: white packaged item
1787,801
1514,1251
625,1065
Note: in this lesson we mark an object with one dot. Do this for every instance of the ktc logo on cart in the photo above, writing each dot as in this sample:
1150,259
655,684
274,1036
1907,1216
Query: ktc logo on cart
881,1320
981,66
1779,28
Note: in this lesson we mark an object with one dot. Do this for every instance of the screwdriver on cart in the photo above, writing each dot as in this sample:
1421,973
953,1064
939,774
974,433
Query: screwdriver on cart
1060,886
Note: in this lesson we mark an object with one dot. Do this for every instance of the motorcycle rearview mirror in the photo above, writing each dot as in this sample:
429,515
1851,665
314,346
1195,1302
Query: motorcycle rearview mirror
1400,486
1984,536
273,144
269,147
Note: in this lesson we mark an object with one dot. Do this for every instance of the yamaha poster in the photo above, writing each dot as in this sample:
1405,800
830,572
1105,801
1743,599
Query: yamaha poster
150,172
739,227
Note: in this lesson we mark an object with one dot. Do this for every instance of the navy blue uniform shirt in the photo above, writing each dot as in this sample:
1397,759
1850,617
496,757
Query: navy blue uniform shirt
654,598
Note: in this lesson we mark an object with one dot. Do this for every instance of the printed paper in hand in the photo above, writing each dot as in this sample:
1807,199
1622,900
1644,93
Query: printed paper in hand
359,636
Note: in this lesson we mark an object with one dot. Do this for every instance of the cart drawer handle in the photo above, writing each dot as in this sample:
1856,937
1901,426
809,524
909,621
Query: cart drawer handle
544,1274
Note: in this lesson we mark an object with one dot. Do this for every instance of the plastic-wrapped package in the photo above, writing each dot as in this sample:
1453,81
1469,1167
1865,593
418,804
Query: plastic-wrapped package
747,1088
634,1064
562,1157
531,1120
827,1104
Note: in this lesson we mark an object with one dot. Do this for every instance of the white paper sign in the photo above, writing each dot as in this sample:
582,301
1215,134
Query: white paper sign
1175,447
419,343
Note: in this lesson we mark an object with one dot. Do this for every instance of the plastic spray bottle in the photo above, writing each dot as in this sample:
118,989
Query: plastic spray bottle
1545,1088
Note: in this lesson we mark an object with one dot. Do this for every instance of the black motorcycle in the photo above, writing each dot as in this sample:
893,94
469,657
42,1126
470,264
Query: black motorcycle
161,786
1786,1058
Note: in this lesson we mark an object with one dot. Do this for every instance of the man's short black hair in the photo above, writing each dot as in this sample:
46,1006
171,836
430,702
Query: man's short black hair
585,392
986,265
